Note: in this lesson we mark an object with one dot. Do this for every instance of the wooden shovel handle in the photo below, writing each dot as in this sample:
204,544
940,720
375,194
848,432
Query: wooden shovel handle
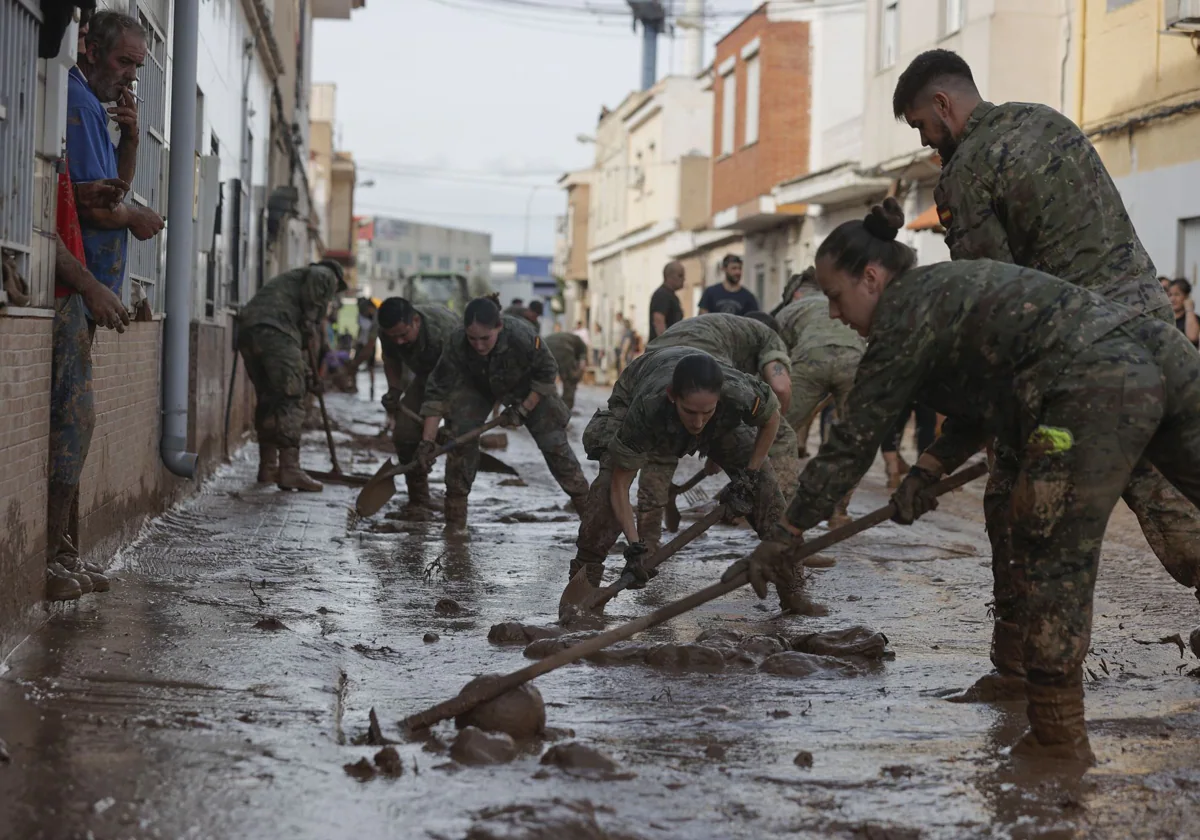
677,489
467,437
466,701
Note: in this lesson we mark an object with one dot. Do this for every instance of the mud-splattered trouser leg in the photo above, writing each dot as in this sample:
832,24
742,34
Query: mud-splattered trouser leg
405,437
570,384
654,490
548,426
598,525
1096,421
784,458
1169,521
827,372
469,410
276,367
72,421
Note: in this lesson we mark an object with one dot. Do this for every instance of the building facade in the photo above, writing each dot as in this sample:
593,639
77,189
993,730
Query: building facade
572,245
1140,82
390,250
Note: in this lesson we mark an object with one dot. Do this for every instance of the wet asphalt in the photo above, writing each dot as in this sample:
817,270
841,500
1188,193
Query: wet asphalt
219,689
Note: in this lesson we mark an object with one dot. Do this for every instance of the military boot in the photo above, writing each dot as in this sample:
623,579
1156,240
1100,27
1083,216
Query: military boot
60,585
1056,724
268,463
650,527
97,581
841,514
84,580
792,595
418,506
595,571
291,477
456,515
1007,682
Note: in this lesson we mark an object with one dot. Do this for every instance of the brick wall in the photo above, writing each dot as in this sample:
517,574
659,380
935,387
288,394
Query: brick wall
24,452
785,106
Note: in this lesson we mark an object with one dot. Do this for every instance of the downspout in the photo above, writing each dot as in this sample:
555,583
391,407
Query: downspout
180,260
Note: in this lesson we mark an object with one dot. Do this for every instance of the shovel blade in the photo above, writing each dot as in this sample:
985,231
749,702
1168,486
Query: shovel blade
575,598
492,464
352,479
377,491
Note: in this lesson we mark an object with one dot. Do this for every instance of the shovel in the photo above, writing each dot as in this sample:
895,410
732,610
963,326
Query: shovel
337,470
382,485
673,516
487,463
581,597
490,690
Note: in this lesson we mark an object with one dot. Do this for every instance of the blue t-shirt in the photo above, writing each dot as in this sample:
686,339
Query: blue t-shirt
92,157
739,302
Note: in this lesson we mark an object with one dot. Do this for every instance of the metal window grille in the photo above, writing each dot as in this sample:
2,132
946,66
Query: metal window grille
149,181
19,23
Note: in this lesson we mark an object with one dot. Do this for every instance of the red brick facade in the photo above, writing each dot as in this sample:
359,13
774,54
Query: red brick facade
785,104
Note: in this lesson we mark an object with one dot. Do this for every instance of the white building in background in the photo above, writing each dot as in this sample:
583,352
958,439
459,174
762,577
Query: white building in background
650,178
390,250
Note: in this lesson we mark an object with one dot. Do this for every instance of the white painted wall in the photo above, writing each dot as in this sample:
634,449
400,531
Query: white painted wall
1159,201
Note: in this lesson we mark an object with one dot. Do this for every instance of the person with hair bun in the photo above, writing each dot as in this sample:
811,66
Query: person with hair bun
495,358
1184,309
671,402
1021,183
1079,387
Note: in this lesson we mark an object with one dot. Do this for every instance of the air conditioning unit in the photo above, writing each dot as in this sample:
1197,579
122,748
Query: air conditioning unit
1182,16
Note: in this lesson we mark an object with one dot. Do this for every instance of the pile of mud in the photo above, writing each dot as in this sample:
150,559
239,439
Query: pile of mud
837,653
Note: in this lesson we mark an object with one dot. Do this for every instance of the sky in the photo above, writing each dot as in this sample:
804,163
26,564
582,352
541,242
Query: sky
465,112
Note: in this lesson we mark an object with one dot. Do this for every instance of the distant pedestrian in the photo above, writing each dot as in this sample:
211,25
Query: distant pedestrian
664,303
515,307
1184,309
728,296
581,330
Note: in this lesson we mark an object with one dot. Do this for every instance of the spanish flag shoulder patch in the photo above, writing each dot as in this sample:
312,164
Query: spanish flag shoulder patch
537,342
757,403
944,216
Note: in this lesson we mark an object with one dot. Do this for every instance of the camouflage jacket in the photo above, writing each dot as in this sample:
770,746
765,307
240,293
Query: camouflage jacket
568,350
743,343
807,327
641,420
519,363
438,324
979,341
293,302
1026,186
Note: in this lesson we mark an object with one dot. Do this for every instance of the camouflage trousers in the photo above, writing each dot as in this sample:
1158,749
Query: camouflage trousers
654,481
547,424
599,528
408,430
1115,404
276,366
829,372
569,386
72,420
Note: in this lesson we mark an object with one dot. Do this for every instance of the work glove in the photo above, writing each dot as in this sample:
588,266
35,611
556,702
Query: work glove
634,555
913,498
426,454
391,400
770,562
738,496
513,416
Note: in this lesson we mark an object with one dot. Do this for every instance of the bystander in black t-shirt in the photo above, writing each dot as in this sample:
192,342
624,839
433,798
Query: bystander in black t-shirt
666,302
739,302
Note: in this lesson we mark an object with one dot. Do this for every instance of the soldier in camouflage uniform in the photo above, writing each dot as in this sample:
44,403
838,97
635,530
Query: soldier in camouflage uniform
1081,386
671,402
570,354
1021,183
748,346
413,338
825,355
277,334
493,358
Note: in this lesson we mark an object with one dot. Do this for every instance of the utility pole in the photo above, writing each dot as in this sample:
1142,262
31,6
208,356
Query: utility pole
651,15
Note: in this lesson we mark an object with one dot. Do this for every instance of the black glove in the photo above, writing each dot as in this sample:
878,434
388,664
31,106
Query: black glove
391,400
913,498
513,416
634,555
738,496
770,562
426,454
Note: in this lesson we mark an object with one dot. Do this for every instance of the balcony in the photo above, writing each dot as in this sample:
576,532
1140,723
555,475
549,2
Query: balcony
335,9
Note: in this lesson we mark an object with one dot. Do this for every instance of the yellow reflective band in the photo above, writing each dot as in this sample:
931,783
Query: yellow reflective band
1052,438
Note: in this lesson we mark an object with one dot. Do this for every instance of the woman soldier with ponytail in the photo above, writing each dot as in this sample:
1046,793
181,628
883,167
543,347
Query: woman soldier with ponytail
1080,387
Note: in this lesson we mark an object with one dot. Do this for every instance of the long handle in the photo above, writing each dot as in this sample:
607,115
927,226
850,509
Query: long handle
312,360
467,437
466,701
680,489
603,596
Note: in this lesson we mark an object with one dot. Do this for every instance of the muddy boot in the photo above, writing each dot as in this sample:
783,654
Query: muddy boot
595,572
841,514
1006,684
418,507
97,580
1056,725
268,463
83,580
456,515
793,597
291,477
650,526
60,586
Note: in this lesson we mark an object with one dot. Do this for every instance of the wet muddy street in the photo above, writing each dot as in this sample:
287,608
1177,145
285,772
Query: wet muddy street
225,683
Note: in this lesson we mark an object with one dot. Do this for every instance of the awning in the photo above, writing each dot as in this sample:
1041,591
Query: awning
927,221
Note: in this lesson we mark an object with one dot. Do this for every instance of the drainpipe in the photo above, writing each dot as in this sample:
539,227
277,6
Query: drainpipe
180,259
